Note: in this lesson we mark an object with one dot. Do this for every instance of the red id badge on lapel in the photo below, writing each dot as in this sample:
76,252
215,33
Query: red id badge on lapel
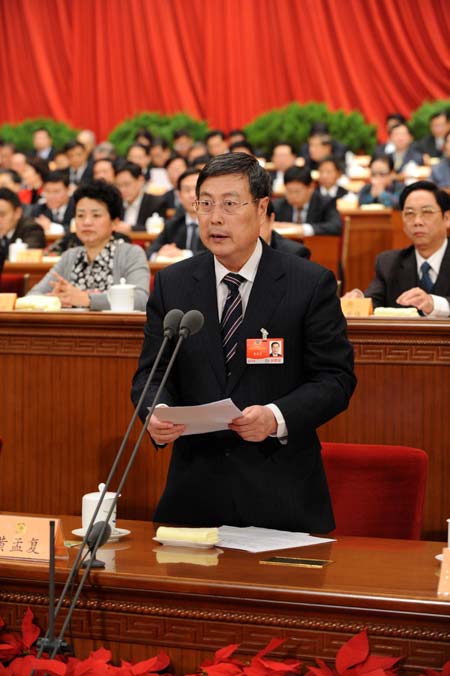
265,350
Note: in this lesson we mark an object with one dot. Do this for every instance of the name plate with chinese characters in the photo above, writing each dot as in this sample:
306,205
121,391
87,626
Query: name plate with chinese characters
7,301
357,307
29,256
27,538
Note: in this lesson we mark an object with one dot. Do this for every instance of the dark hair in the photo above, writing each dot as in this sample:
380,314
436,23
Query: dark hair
73,144
441,196
10,196
395,116
145,133
143,147
324,137
13,174
301,174
438,113
241,144
58,177
160,143
319,128
235,132
270,209
174,157
238,163
100,191
387,159
400,124
133,168
43,129
185,174
284,143
200,159
334,160
215,132
178,133
105,159
40,166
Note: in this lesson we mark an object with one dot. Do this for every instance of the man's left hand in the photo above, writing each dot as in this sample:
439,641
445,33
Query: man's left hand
255,424
418,298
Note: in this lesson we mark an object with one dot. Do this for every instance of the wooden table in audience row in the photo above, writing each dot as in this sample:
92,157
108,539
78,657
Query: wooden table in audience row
193,602
64,407
368,233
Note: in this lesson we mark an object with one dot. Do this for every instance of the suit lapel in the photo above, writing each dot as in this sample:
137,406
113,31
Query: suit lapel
266,295
407,278
442,286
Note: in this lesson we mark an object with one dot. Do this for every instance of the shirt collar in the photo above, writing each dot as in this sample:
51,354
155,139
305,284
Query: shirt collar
248,271
435,260
137,202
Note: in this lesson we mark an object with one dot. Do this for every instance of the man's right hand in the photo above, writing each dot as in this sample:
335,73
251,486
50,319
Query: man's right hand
164,432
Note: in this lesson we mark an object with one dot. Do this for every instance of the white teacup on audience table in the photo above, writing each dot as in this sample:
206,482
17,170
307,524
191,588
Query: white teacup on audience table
90,502
121,296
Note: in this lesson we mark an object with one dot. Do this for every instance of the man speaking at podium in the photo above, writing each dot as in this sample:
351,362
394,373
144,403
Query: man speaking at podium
266,469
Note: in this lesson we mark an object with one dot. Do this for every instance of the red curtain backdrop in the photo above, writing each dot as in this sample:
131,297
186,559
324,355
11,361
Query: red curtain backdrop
93,63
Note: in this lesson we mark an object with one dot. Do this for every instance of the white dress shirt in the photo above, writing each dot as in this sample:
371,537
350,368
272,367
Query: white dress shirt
132,209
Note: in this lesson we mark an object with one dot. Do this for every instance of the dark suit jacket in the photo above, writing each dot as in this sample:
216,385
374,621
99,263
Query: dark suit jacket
411,155
174,232
322,214
286,245
43,210
440,173
30,233
219,478
396,272
427,146
150,204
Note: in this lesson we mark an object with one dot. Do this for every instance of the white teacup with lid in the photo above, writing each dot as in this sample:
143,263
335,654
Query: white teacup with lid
121,296
14,249
89,504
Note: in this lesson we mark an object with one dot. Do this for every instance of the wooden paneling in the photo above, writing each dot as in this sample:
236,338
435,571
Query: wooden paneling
64,407
138,606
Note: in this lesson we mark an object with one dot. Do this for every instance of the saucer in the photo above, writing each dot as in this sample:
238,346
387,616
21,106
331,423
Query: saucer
116,534
185,543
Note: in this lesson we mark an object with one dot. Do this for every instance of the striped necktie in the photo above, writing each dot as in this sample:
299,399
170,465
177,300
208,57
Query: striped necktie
232,317
426,282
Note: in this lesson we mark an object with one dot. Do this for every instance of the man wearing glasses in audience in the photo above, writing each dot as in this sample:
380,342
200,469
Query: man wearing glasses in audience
418,276
264,469
382,188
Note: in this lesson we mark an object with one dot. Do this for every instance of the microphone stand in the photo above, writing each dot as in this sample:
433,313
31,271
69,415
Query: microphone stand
184,333
171,324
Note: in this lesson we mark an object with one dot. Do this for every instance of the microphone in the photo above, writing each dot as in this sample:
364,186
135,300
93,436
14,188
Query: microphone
171,325
98,535
186,325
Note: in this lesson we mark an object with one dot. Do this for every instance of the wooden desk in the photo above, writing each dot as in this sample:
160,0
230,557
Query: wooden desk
64,407
138,606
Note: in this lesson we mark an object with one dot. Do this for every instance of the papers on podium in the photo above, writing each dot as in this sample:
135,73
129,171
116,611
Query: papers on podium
201,419
252,539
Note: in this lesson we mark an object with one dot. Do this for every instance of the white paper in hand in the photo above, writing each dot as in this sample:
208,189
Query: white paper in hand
211,417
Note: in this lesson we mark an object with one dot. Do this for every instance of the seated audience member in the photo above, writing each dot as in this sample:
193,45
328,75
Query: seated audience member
242,147
283,157
14,226
83,275
57,208
104,170
330,171
181,232
43,144
432,145
316,215
104,151
144,137
277,241
60,162
34,176
199,161
7,151
320,144
87,138
159,153
440,173
182,142
18,163
175,166
138,205
404,150
392,120
198,149
382,189
140,155
79,170
10,179
236,135
418,276
216,143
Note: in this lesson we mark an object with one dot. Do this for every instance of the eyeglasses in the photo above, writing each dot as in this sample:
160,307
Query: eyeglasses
228,206
427,213
380,173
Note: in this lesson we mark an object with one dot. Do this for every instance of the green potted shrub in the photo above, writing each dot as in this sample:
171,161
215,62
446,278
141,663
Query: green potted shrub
21,134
